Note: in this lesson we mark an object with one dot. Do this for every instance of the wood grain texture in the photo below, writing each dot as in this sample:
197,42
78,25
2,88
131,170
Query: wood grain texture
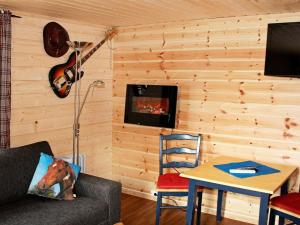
132,213
207,172
125,13
218,66
37,114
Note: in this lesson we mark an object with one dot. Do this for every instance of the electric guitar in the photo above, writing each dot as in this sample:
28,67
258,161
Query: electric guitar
62,76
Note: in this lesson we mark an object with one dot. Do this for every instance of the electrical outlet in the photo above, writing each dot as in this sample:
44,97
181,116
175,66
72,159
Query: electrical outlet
153,193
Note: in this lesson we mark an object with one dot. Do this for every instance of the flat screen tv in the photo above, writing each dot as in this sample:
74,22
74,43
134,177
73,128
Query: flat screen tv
283,50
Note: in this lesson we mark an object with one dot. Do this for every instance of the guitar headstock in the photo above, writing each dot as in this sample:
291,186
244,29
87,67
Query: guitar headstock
111,33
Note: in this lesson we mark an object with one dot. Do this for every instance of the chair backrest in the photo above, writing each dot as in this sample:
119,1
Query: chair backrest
165,150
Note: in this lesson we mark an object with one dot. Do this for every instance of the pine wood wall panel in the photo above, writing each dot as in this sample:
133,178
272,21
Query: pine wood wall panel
218,65
37,114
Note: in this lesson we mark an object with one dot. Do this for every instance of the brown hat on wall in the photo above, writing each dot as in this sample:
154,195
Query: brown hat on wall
55,39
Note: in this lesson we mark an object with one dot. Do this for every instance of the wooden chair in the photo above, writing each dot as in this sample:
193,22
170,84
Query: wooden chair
171,184
286,207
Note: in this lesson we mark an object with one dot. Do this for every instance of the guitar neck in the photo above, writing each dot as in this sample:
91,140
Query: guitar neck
87,56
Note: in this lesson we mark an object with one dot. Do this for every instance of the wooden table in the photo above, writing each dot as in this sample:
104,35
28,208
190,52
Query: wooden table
262,186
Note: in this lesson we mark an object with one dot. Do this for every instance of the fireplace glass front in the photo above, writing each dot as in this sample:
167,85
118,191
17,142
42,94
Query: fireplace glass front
151,105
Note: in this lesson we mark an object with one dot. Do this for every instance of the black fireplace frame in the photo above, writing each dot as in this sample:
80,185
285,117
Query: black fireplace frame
154,91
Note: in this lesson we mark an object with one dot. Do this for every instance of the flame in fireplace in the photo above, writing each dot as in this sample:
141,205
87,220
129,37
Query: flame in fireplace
150,105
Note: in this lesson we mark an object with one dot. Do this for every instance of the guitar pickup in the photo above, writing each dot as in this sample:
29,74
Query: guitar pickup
60,82
69,74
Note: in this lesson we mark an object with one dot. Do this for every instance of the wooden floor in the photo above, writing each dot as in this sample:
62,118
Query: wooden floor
139,211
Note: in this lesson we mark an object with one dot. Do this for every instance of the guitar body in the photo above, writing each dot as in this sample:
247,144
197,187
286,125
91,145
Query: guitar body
62,76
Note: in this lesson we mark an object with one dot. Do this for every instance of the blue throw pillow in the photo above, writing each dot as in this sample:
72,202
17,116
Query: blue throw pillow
54,178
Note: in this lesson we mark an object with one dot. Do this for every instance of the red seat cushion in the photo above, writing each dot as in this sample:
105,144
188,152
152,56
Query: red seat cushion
172,181
289,202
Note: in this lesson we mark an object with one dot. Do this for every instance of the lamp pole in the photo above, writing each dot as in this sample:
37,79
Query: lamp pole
76,126
78,48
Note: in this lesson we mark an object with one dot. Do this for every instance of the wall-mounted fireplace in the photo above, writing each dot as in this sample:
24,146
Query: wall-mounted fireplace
151,105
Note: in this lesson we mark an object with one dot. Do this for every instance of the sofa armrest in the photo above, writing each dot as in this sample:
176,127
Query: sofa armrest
100,188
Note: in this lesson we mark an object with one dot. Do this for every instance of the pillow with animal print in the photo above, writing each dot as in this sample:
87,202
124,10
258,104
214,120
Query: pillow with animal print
54,178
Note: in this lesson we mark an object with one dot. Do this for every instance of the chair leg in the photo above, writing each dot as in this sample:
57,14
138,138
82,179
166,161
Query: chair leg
158,209
281,221
219,205
272,218
199,207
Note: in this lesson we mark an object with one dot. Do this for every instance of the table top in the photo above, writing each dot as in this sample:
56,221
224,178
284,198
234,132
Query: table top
264,183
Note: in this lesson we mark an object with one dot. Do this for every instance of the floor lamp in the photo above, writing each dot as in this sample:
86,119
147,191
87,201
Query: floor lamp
76,127
78,106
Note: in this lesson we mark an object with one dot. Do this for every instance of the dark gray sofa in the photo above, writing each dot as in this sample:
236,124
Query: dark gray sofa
97,202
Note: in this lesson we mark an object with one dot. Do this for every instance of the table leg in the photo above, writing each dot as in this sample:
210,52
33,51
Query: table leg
191,203
219,205
199,206
263,210
283,191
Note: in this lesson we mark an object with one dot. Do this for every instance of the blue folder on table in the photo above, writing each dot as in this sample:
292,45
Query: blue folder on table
260,169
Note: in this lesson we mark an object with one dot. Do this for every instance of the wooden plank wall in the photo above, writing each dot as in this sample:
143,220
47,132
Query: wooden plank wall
218,65
37,114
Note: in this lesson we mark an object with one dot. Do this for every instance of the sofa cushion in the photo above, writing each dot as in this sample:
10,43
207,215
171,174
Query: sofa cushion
36,210
17,166
54,178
